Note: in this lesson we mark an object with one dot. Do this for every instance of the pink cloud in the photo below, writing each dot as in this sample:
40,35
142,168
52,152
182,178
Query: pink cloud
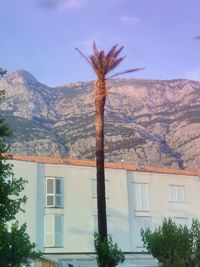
59,4
129,20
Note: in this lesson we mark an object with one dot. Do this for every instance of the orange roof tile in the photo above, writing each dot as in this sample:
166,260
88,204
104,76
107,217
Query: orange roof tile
158,169
91,163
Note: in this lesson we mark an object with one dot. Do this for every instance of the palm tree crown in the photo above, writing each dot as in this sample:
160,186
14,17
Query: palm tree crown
102,64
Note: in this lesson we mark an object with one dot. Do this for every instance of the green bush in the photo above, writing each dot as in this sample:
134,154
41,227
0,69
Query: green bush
16,247
108,252
174,245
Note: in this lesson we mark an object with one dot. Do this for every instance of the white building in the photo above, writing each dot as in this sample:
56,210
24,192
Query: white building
61,213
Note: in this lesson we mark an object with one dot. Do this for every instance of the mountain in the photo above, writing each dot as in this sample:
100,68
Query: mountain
153,122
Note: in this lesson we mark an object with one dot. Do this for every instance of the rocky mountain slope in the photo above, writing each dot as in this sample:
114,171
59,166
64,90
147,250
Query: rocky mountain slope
146,121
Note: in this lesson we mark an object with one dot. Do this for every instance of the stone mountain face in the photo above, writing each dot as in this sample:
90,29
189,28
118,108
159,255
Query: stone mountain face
146,121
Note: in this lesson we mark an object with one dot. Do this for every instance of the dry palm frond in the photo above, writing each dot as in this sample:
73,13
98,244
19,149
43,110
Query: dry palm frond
124,72
118,51
96,52
102,64
116,62
112,51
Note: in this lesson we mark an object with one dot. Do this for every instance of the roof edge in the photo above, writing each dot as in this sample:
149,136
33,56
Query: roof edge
111,165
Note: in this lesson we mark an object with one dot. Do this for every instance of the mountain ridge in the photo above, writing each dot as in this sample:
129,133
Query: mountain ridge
146,121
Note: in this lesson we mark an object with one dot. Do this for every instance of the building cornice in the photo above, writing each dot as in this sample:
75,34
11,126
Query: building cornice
109,165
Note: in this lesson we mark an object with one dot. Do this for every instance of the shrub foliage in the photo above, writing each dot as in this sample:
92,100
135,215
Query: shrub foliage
174,245
108,252
15,245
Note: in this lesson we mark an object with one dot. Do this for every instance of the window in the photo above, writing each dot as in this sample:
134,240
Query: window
94,188
141,223
181,221
54,192
109,224
177,193
141,197
54,230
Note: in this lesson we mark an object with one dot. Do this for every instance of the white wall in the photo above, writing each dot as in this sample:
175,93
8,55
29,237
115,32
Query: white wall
79,206
28,171
159,201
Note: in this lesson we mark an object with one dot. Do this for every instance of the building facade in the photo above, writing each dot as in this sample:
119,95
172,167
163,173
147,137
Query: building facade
61,210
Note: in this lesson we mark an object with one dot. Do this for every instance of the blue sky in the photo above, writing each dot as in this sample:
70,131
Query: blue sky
40,36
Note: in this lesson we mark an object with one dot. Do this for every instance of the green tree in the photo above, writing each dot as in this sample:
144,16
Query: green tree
15,245
174,245
108,252
102,64
2,73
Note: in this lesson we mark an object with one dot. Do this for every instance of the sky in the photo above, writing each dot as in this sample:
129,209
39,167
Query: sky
40,36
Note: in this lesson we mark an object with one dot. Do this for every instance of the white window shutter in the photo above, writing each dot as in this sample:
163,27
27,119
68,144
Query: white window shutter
106,189
95,218
138,202
94,206
49,230
141,197
145,196
141,223
58,222
177,193
173,193
181,221
181,193
58,192
50,186
109,225
54,192
94,188
49,192
62,192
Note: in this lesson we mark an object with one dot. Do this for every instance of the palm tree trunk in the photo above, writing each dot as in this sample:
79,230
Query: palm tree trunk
100,99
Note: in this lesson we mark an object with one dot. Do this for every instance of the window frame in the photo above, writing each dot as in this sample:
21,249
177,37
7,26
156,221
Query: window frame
53,231
141,205
54,194
179,196
180,220
94,188
146,223
109,224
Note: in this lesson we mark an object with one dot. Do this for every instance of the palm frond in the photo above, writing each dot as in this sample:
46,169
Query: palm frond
95,64
112,51
96,52
111,57
118,51
102,64
109,63
124,72
102,61
116,62
84,56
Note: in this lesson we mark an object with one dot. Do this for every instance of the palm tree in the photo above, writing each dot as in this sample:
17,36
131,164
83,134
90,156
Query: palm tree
102,64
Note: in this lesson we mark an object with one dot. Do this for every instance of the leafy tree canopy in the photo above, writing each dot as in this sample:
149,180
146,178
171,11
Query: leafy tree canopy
2,73
174,245
108,252
15,245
